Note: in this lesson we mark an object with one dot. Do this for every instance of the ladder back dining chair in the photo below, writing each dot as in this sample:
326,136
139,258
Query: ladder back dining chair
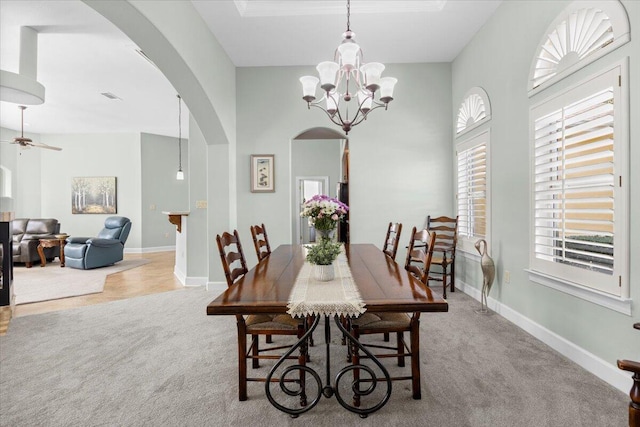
385,323
444,251
260,241
634,393
392,239
254,325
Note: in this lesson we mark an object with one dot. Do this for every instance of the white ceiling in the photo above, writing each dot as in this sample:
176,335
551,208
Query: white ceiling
306,32
81,54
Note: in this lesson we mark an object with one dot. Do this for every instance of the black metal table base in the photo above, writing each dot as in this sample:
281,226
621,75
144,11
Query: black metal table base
328,390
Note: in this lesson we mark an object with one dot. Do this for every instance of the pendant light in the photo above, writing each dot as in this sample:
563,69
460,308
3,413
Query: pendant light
180,174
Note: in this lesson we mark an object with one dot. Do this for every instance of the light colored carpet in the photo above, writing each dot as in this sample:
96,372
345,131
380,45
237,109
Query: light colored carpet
159,360
53,282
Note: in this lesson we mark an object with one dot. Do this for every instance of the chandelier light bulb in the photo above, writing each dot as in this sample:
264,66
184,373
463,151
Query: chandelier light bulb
372,72
386,89
309,84
327,71
348,52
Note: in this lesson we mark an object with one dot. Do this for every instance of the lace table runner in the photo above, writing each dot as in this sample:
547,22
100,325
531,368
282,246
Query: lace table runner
339,296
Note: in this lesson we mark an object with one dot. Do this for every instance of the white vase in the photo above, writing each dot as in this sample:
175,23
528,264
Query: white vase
324,273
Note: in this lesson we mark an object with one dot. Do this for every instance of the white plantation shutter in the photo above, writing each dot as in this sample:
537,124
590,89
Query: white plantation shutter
576,185
582,33
472,195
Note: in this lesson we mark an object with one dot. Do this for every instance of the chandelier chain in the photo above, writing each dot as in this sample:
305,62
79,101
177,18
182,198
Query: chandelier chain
348,15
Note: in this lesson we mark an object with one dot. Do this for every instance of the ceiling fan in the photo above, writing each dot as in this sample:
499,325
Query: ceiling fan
26,142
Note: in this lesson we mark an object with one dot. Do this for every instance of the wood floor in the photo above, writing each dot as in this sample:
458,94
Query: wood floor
155,277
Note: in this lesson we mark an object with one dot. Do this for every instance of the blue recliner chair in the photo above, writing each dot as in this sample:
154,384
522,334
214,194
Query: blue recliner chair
105,249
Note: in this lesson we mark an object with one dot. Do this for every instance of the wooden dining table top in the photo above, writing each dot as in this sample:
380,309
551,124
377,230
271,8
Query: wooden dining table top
384,285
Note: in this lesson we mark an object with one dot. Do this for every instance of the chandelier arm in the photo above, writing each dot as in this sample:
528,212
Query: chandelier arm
332,118
364,116
355,120
380,104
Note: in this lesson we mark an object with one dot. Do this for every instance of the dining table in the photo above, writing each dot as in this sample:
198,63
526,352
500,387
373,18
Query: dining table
382,284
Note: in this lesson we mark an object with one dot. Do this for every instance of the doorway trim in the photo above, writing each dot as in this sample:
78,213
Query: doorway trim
298,203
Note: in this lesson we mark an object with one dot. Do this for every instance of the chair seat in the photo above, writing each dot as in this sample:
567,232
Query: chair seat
440,260
370,321
262,322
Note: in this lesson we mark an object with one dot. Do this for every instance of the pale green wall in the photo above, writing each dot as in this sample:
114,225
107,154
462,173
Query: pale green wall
26,175
215,71
116,155
145,167
197,222
314,158
400,163
161,191
498,59
175,37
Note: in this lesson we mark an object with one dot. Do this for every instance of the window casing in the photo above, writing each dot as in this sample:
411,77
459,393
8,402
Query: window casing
473,195
579,224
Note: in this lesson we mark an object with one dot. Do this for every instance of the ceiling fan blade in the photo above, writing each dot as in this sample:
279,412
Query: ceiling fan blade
26,143
43,145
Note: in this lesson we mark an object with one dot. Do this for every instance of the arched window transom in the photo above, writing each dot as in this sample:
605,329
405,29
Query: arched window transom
474,109
581,34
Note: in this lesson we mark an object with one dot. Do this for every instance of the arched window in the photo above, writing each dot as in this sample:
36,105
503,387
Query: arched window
474,110
473,173
582,33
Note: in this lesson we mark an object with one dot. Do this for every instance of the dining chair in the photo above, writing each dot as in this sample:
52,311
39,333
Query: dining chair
392,239
444,251
381,323
254,325
634,393
260,241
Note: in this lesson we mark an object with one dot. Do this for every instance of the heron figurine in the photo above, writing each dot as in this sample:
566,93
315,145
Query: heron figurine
488,273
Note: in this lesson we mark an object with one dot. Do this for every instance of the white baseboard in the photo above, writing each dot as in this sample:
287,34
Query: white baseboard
590,362
195,281
189,280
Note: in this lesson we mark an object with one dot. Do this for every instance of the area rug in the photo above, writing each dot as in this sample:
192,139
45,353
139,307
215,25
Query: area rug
53,282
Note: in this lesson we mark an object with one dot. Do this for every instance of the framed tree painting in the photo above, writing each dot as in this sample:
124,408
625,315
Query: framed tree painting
93,195
262,173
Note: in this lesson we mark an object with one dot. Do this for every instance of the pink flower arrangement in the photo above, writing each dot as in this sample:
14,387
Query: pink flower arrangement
324,212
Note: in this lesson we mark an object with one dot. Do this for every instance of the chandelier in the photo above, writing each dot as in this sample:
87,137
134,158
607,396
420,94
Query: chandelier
360,83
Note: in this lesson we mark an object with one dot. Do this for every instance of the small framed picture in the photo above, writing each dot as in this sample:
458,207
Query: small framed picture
262,173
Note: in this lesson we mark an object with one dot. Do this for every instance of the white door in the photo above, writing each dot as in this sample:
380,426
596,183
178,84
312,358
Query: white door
307,187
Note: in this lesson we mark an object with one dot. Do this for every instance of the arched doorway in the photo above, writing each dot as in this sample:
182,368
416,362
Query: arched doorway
319,165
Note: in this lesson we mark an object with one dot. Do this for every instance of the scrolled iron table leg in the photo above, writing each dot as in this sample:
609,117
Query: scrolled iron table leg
302,371
329,390
355,386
